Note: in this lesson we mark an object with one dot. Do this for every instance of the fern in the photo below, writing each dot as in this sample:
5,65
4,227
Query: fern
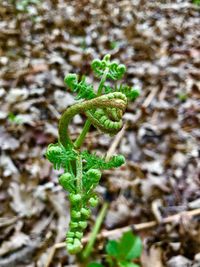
82,170
130,92
92,161
83,89
113,70
59,156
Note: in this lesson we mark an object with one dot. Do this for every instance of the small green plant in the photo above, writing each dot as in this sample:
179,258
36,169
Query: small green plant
15,119
122,253
104,109
114,44
182,97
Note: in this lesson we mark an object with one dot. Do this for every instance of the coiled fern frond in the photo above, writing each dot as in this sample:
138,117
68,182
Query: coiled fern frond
104,112
114,70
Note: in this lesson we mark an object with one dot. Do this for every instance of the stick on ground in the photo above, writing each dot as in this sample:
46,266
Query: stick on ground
136,227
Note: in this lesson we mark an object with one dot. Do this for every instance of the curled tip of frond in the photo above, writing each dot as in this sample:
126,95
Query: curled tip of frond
67,182
59,156
115,71
118,160
107,57
71,80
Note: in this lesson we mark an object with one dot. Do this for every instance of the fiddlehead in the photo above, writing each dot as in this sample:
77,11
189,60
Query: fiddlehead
82,170
97,110
60,156
115,70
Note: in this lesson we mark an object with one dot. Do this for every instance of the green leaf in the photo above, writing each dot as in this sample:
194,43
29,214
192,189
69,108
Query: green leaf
130,246
59,156
112,248
95,264
127,264
82,88
95,162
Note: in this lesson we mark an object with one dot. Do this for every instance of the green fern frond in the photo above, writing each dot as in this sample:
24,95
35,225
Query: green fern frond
66,180
83,89
59,156
91,179
92,161
104,110
130,92
114,70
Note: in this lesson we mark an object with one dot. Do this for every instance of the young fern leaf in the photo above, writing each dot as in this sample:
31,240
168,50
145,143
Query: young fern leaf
114,70
59,156
91,179
83,89
66,180
130,92
92,161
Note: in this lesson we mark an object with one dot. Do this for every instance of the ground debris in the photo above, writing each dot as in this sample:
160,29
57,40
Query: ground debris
158,42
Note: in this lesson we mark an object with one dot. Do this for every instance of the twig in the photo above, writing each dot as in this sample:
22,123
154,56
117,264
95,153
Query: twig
151,224
22,255
150,97
174,6
161,97
136,227
52,252
54,111
7,221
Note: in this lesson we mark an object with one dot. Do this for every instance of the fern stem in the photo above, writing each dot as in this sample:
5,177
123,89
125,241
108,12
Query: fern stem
88,249
79,141
79,173
101,84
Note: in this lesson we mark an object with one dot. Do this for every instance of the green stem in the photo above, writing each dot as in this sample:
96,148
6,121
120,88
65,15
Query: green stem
79,141
79,173
88,249
103,79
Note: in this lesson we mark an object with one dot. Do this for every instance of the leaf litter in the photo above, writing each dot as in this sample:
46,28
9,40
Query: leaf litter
158,42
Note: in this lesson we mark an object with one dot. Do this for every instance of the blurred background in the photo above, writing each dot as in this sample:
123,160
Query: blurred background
159,42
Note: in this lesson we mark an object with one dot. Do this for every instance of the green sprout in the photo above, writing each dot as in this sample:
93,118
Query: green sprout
15,119
114,44
122,253
104,109
182,97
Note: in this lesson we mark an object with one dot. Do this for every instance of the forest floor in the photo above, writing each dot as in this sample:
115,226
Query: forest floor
158,41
